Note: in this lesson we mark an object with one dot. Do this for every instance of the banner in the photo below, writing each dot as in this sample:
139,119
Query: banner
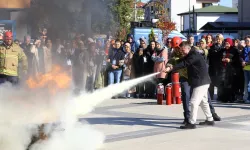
14,4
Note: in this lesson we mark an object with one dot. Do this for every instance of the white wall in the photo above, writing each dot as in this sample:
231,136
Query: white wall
202,19
181,6
244,14
21,26
235,3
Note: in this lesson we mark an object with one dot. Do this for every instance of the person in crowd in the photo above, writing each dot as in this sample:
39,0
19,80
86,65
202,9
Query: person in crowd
140,64
209,40
38,51
43,36
160,58
26,46
169,47
238,85
11,55
199,80
92,67
48,56
107,47
101,64
236,43
116,61
215,55
204,52
230,56
202,49
130,40
129,70
191,40
42,60
17,42
243,43
58,53
79,58
246,65
149,69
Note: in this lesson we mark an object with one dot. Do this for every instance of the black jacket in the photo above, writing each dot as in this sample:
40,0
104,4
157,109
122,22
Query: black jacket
196,68
115,55
215,55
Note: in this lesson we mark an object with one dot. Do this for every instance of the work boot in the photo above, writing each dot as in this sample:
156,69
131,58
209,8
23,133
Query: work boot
185,121
216,117
188,126
207,123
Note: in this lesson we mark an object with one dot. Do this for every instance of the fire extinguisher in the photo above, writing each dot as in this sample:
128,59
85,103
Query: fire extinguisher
176,88
168,91
160,93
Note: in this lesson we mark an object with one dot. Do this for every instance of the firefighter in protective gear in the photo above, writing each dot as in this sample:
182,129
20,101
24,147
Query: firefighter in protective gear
10,56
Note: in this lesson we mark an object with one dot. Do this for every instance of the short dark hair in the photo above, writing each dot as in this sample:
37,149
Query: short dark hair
247,37
184,44
190,35
117,40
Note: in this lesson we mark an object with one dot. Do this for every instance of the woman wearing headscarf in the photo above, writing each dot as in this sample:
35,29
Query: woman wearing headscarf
229,60
128,70
160,57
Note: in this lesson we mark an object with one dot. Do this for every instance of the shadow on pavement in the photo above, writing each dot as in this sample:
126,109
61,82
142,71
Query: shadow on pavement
169,123
232,105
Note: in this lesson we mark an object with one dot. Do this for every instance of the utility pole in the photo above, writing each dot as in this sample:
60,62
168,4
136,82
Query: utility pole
135,10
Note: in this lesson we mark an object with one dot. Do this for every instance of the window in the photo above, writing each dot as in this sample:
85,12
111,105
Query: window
206,4
152,9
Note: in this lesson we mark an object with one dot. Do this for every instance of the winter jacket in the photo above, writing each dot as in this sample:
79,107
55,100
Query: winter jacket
160,60
116,57
10,56
245,57
129,69
196,68
215,55
149,69
228,69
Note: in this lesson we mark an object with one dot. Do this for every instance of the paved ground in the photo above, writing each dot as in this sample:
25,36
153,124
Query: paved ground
137,124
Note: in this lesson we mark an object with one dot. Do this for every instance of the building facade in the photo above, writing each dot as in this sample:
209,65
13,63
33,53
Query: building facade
10,12
244,15
175,7
235,3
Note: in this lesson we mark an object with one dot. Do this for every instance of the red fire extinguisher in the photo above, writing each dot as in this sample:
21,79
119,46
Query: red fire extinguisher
168,94
176,88
160,93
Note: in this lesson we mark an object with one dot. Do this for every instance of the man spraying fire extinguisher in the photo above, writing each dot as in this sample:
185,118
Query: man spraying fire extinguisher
10,56
198,80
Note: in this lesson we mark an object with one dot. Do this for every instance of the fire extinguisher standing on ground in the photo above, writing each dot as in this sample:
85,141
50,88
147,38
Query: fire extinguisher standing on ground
176,88
160,93
168,94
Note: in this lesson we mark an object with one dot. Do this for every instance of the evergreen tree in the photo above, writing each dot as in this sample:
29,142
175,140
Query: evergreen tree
151,36
123,12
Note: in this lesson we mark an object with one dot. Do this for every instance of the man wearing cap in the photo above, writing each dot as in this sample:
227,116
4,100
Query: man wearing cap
10,56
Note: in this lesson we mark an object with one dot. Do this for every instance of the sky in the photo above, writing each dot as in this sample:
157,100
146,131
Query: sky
227,3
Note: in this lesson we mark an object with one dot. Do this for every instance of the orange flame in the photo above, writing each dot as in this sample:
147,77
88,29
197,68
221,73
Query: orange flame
54,81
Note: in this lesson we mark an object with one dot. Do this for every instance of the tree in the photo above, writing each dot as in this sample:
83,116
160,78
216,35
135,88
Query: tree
164,23
151,36
123,12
